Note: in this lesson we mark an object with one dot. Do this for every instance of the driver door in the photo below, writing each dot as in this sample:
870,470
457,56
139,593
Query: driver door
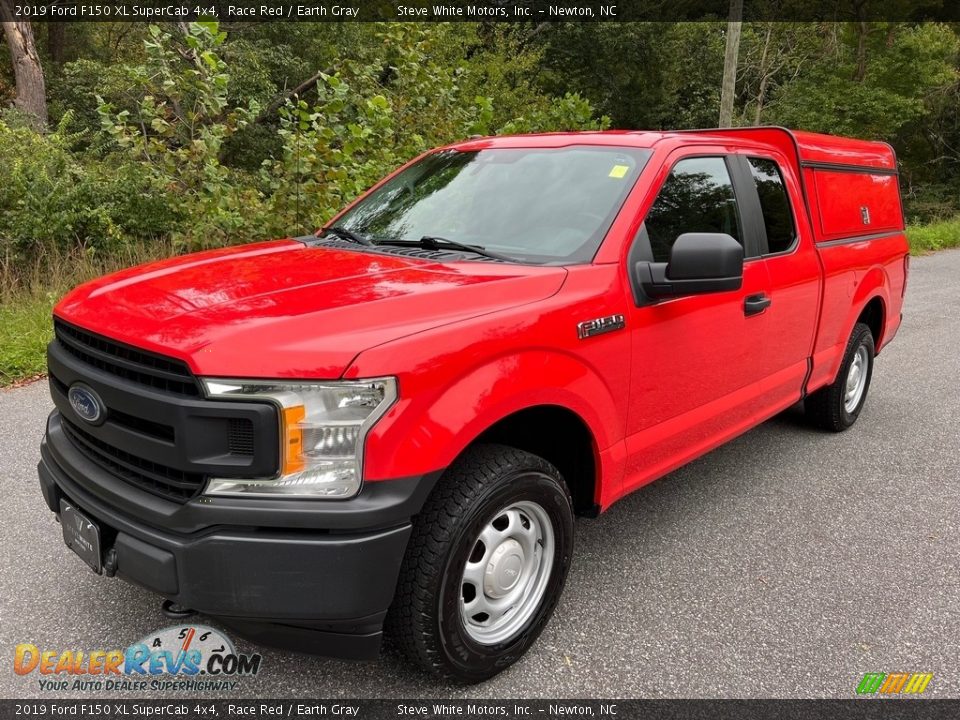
694,376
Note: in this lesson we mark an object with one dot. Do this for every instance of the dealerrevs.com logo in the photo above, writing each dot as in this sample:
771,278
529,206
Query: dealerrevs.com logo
186,657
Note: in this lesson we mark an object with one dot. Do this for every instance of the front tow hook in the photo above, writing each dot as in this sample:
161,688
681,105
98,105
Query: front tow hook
174,611
110,562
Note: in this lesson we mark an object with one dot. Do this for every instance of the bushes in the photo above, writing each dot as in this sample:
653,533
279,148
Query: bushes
935,236
54,198
157,167
176,131
930,202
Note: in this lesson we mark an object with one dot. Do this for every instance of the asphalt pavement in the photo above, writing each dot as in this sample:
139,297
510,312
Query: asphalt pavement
787,563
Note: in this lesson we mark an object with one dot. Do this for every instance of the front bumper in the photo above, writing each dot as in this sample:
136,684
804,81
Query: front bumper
315,576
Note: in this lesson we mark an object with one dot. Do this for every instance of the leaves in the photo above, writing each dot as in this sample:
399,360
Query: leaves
376,113
174,111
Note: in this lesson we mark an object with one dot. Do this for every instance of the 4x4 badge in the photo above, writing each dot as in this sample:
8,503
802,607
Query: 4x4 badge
598,326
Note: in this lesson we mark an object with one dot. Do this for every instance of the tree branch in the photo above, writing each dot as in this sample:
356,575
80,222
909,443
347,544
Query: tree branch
272,108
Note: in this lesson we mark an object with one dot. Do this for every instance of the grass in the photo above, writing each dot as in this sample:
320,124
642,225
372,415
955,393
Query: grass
29,292
24,334
28,296
935,236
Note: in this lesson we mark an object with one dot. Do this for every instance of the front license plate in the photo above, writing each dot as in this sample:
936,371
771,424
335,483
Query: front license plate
81,535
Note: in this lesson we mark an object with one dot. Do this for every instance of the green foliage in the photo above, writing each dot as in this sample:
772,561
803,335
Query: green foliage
24,334
331,152
930,202
183,116
178,128
75,89
376,113
641,75
935,236
54,198
571,112
890,95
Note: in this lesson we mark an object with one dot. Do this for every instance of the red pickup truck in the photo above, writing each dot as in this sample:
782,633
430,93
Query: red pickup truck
395,420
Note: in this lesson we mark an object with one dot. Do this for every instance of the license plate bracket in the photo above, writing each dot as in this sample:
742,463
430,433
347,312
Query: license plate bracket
82,535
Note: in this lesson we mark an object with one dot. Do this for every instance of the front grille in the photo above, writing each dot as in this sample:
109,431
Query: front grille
137,424
160,434
161,480
240,436
144,426
130,363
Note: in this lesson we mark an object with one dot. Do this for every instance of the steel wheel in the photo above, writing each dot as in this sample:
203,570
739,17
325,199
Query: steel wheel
496,509
837,406
506,575
856,379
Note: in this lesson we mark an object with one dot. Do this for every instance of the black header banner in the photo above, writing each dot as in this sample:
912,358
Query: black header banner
530,11
201,709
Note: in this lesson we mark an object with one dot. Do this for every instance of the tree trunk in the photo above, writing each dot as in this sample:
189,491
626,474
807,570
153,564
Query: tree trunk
861,70
764,75
27,71
56,41
729,86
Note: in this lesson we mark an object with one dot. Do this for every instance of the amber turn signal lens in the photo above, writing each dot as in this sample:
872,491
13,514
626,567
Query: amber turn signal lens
293,439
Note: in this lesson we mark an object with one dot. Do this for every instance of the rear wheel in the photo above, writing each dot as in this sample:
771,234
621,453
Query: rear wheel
837,406
486,564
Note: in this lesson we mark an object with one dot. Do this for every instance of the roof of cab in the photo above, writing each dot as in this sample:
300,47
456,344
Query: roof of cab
807,147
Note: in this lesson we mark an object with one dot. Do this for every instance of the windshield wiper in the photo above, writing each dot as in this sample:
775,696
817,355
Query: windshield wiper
432,242
344,234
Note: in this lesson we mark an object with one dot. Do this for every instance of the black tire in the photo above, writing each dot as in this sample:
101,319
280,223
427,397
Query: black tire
825,408
425,619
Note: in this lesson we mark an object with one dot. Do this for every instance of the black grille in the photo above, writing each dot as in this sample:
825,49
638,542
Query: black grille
161,480
141,425
127,362
240,436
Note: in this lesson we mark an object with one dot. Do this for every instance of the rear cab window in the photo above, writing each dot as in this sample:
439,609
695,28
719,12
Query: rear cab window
774,204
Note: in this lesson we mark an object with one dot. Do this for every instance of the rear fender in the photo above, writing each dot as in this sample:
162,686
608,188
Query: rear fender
873,284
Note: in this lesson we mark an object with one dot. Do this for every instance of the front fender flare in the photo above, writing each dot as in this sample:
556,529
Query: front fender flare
428,431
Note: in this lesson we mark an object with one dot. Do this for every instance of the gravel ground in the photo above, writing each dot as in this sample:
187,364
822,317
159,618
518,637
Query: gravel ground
784,564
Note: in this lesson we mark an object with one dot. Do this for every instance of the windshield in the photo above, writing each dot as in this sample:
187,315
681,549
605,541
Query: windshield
534,205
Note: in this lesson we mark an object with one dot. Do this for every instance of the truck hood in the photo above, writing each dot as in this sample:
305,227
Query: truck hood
281,309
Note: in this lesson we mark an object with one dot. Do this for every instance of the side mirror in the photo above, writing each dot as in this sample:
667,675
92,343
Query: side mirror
699,263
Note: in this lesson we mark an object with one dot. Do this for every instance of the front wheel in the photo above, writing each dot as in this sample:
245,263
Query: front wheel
486,564
837,406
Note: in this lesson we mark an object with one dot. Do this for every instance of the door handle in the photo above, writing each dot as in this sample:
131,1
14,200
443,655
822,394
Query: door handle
754,304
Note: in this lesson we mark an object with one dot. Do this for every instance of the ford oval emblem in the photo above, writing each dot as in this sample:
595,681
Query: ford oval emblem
86,403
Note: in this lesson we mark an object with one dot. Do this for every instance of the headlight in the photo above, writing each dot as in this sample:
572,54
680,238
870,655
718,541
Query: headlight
323,426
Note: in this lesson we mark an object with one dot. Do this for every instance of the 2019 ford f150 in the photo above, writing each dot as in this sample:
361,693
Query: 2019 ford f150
396,419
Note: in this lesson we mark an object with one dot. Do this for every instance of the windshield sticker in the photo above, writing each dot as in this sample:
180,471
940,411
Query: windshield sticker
619,171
